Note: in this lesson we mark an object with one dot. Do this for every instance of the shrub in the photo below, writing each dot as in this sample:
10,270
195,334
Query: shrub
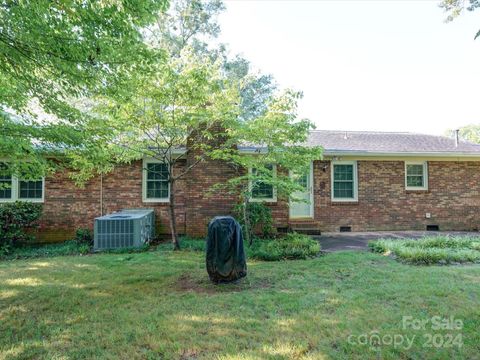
292,246
15,219
258,215
430,250
84,236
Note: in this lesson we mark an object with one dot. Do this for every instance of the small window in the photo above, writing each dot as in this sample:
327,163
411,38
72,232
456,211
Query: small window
416,176
13,189
6,183
30,189
156,182
344,181
262,191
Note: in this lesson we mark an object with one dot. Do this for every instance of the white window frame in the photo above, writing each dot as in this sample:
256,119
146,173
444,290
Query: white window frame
274,192
16,192
144,183
355,181
425,175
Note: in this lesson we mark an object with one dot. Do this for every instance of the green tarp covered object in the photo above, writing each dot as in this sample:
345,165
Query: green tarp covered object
225,256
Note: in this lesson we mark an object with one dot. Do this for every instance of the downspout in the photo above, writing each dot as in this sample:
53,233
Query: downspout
101,194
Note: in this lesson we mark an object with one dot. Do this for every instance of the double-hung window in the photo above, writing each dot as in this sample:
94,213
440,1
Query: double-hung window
29,190
13,188
344,181
156,184
262,191
6,184
416,175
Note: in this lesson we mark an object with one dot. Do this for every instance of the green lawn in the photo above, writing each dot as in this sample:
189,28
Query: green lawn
159,304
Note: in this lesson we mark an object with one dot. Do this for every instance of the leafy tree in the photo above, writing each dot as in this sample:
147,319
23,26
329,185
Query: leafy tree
54,53
193,24
185,101
455,7
190,105
279,147
470,133
188,23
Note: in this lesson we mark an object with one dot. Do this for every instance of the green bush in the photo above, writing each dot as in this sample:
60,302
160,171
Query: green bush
292,246
15,219
258,215
430,250
84,236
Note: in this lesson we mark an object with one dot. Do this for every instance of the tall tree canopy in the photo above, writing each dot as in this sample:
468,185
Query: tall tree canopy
455,7
112,81
469,132
53,53
193,23
197,95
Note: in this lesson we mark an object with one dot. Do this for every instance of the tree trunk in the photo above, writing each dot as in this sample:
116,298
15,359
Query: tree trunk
173,221
246,221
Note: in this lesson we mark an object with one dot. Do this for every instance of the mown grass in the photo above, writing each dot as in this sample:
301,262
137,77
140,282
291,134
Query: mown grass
440,249
70,247
160,305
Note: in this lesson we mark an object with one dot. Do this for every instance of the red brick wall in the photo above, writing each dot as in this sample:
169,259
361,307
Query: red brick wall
453,199
203,202
68,207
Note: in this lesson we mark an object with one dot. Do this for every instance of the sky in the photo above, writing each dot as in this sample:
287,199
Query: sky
364,65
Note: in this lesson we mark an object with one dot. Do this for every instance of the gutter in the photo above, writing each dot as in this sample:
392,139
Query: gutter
451,154
332,153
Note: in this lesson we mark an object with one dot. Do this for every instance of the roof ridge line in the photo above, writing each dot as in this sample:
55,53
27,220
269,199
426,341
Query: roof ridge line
367,131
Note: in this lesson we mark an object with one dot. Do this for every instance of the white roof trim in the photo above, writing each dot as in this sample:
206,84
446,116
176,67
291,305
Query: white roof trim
401,154
253,150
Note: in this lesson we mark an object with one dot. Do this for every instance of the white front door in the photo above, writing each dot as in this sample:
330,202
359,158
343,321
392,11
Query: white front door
303,208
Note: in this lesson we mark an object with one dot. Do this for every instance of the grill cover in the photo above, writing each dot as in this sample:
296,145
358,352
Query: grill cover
225,253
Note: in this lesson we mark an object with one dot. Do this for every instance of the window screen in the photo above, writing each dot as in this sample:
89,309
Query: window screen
157,181
343,181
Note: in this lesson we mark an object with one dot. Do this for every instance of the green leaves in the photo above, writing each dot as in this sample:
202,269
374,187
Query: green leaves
469,132
15,219
276,137
455,8
53,54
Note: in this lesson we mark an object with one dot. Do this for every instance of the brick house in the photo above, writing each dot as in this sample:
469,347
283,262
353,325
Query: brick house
366,181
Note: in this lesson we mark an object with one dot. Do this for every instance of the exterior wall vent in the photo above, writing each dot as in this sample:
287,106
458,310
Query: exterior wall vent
345,229
433,228
124,229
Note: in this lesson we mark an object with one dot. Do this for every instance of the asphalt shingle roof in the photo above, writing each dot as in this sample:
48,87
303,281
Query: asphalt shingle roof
388,142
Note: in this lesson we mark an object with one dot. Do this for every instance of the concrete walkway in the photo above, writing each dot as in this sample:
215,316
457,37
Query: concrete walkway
359,240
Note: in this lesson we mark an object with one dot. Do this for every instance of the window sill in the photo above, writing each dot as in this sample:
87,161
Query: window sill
344,202
22,200
7,200
160,201
32,200
263,200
